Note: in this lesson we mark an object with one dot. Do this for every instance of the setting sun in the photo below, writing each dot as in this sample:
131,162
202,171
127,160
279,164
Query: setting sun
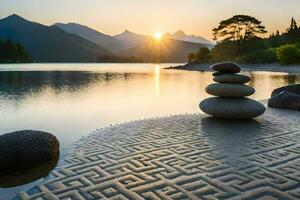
158,35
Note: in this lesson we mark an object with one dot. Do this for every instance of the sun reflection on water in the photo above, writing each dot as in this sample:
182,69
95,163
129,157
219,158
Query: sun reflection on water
157,79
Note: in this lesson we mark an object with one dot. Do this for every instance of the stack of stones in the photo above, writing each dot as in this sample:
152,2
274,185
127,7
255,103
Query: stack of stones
230,93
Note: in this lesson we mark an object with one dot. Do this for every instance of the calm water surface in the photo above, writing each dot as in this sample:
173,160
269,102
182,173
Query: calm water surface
72,100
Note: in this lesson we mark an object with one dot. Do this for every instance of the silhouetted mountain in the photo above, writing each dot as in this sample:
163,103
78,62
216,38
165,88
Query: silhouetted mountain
77,43
180,35
113,44
164,50
49,44
131,39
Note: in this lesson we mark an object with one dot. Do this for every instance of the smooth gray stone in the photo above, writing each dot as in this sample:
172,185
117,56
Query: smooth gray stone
229,90
232,78
232,108
285,100
26,149
226,67
290,88
221,73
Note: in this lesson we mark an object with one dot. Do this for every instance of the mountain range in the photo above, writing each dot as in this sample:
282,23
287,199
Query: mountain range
180,35
73,42
49,43
111,43
131,39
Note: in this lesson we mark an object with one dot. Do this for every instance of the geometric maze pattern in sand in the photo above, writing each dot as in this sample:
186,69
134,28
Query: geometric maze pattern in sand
183,157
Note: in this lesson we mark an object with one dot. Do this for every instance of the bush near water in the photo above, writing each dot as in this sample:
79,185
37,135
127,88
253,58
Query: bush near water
248,45
288,54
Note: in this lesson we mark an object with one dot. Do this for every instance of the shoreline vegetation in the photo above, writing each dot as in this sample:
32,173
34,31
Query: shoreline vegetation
11,52
238,40
273,67
242,39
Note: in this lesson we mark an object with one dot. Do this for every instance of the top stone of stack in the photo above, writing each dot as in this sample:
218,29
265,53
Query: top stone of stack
228,67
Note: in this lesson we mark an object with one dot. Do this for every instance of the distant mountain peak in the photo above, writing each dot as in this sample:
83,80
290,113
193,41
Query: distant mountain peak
181,35
47,43
92,35
127,32
131,39
14,17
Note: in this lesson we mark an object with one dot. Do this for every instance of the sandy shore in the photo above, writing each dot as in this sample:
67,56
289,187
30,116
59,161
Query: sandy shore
245,67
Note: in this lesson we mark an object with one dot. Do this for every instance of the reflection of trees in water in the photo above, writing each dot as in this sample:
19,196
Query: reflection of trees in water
15,85
286,79
292,79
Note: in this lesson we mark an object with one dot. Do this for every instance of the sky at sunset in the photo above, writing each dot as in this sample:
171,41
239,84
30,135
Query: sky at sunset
151,16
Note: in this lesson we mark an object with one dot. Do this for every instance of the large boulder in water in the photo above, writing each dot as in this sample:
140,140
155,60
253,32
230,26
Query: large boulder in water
25,149
290,88
285,100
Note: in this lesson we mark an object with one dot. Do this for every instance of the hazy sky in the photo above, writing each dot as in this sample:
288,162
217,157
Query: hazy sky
150,16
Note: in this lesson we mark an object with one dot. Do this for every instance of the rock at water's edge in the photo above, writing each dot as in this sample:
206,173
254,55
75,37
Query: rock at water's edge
25,149
226,67
285,100
290,88
229,90
232,78
232,108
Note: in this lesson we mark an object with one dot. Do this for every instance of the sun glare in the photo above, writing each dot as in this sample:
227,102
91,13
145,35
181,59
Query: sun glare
158,35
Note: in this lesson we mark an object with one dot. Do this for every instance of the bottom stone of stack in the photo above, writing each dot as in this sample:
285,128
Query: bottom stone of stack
232,108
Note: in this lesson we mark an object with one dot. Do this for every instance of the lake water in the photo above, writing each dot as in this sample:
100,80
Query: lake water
72,100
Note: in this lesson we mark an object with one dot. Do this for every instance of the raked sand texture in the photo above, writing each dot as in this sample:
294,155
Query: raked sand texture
183,157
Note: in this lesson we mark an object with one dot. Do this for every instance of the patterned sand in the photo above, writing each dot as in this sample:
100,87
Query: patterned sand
183,157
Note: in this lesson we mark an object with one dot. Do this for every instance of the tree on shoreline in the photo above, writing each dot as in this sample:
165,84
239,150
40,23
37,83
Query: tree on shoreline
293,26
202,55
11,52
239,41
239,28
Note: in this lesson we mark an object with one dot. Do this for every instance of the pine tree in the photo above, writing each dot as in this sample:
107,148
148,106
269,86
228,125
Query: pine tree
293,26
277,33
292,35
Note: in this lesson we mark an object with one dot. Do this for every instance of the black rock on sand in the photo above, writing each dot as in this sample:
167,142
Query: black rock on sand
26,149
